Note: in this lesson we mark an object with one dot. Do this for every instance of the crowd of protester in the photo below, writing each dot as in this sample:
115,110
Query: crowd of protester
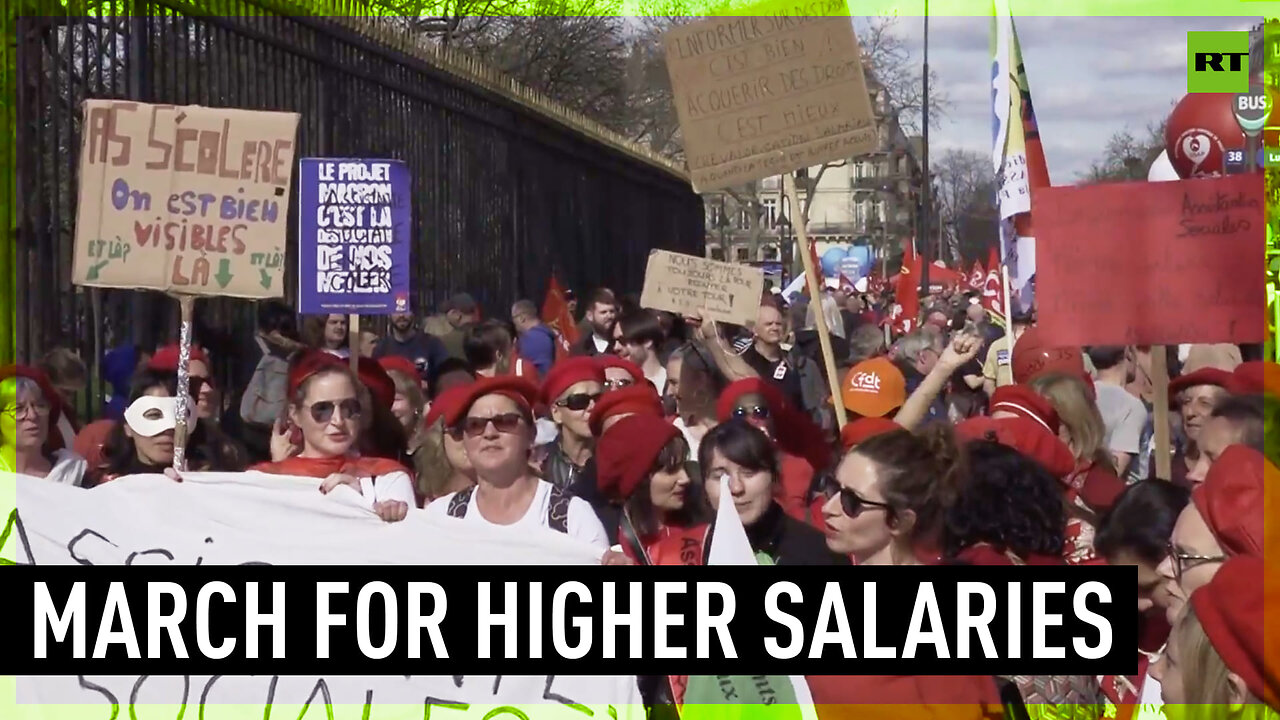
956,448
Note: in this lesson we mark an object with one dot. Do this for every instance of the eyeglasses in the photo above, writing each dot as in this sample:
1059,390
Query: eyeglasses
578,401
851,502
759,412
1183,562
322,412
505,423
618,384
39,409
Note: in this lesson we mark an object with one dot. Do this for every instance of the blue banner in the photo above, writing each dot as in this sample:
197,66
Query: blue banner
354,226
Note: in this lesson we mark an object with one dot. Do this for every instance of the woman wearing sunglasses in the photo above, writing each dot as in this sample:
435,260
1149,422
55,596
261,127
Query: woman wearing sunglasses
801,449
644,468
143,443
1224,519
29,442
571,390
493,419
331,411
619,372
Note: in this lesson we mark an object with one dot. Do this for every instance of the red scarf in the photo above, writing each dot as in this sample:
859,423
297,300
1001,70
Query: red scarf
324,467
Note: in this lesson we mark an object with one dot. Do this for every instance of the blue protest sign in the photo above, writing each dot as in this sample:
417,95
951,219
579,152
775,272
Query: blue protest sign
354,231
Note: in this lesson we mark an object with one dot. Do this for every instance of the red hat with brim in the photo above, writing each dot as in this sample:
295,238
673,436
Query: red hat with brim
517,389
1026,403
442,406
1203,376
638,399
402,365
567,373
628,451
797,433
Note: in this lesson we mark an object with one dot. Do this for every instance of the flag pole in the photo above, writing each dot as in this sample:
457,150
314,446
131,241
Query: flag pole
1008,317
926,182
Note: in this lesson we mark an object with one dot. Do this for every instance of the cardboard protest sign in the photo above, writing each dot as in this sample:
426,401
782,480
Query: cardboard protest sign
183,199
686,284
1152,263
766,95
220,519
354,225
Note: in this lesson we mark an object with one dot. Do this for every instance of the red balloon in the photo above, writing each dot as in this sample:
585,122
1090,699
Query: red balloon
1201,128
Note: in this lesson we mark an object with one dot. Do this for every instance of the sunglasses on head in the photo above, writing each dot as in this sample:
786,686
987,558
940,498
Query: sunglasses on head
759,412
578,401
505,423
322,412
851,502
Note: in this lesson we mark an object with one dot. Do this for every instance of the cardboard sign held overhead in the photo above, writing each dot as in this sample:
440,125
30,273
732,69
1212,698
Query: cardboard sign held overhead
685,284
766,95
183,199
1152,263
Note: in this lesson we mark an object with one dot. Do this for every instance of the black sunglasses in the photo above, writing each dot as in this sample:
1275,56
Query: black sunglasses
851,502
759,412
475,426
322,412
578,401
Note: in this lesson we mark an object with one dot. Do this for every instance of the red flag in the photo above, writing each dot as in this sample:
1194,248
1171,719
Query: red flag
993,289
908,288
977,276
556,315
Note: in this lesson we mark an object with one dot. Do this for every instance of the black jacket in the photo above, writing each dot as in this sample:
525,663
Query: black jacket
787,540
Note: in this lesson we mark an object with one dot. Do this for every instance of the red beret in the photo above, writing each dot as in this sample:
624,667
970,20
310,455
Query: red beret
443,405
1255,378
1232,610
613,361
378,382
863,429
1033,355
166,358
796,431
567,373
1231,501
402,365
1027,437
750,386
1026,403
310,362
637,399
54,440
628,451
462,397
1203,376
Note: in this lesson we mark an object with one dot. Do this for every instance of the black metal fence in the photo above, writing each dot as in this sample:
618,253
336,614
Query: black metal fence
505,189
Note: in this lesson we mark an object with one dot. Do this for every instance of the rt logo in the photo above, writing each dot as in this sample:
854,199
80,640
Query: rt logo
1217,62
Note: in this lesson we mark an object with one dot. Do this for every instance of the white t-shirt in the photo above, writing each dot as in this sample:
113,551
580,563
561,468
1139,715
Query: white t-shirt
1124,417
694,442
68,468
582,523
393,486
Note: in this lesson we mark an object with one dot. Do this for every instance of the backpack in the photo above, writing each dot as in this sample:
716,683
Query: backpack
557,511
267,394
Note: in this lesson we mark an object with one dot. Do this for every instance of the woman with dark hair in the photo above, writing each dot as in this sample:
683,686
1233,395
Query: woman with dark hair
330,413
1136,532
643,465
491,350
743,460
1007,511
144,442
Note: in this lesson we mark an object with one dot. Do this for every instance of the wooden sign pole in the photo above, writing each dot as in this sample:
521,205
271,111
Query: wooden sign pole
353,341
1008,319
1160,400
815,297
186,307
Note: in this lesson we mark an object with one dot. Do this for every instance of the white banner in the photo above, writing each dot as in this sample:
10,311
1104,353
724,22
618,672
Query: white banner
235,518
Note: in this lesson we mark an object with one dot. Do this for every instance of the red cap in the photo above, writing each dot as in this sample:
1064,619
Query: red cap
461,398
1255,378
636,399
166,358
1203,376
863,429
567,373
1026,403
1033,356
379,383
628,451
54,440
1231,501
613,361
443,405
1026,436
402,365
1231,609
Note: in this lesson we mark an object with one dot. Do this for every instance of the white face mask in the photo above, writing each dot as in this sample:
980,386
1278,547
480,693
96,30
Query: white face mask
141,425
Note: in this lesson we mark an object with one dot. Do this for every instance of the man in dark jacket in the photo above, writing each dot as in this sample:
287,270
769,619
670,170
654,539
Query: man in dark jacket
602,313
537,342
407,341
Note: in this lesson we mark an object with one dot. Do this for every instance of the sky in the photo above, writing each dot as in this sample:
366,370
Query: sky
1089,76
